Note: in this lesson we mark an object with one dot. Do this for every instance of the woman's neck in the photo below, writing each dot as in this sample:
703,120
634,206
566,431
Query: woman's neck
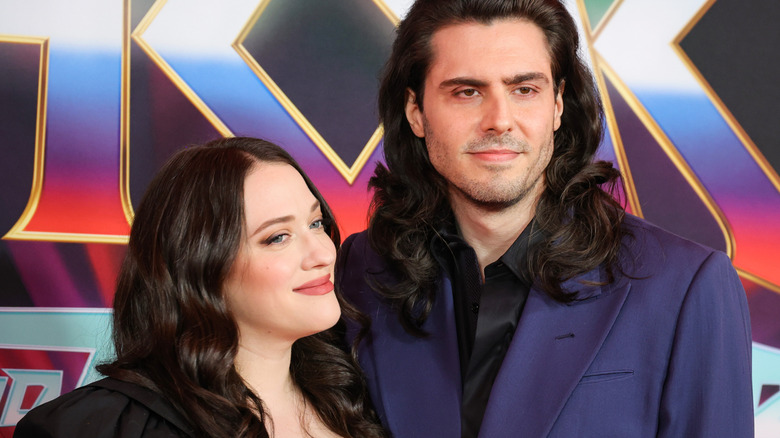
265,370
267,373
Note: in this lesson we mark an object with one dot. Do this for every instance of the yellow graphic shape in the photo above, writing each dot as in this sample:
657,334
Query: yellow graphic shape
735,126
17,232
137,36
629,187
348,172
601,66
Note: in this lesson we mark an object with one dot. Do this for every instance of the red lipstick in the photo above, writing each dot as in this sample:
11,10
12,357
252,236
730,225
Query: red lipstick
320,286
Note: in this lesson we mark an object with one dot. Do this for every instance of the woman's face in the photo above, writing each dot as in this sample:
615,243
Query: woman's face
280,287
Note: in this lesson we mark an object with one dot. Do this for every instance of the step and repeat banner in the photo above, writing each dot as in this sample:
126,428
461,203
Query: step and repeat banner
95,95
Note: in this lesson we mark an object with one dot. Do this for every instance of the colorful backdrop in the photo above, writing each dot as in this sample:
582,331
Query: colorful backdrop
96,94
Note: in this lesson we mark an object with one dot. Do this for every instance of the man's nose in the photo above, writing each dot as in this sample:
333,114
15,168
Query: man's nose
497,116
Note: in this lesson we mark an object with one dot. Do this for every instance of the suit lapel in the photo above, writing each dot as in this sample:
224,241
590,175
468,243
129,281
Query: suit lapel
419,379
553,346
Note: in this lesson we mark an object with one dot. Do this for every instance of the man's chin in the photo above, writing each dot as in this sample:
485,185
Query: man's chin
492,202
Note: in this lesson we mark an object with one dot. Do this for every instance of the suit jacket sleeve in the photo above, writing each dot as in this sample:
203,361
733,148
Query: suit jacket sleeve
708,392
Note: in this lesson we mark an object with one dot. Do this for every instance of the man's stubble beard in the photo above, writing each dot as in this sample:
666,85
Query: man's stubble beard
496,195
489,201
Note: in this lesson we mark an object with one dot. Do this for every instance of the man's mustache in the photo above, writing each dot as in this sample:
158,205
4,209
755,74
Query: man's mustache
504,142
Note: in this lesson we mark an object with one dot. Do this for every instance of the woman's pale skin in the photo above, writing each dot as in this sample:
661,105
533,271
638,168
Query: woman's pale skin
280,289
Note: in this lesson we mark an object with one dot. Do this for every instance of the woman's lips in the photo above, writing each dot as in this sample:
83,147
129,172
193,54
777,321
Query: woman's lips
320,286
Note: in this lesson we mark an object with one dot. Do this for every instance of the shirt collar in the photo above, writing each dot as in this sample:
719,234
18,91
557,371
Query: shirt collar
516,257
447,240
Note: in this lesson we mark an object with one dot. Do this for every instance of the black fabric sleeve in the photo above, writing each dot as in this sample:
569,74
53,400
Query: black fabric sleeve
100,412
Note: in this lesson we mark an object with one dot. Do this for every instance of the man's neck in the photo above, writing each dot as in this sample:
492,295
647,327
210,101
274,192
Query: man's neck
491,232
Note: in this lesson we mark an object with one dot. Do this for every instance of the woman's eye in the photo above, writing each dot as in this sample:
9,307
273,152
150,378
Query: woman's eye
317,224
277,239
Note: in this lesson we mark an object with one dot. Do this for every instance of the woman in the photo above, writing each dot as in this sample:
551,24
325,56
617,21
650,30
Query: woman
223,311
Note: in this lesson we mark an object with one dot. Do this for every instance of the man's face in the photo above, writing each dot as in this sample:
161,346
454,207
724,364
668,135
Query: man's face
489,111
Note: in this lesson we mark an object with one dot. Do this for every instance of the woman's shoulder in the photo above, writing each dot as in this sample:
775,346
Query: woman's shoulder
106,408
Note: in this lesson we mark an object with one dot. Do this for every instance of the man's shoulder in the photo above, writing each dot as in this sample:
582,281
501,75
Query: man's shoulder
358,267
357,240
356,250
642,228
651,245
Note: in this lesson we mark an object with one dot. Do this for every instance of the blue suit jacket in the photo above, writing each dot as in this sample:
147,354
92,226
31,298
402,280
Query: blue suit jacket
666,353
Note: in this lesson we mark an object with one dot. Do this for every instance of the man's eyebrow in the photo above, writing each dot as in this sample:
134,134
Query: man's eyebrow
514,80
281,219
462,81
522,77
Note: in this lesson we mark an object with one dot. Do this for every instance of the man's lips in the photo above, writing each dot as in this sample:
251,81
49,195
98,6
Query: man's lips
495,154
320,286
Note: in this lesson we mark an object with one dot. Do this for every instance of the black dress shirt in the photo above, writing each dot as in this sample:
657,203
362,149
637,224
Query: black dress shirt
486,312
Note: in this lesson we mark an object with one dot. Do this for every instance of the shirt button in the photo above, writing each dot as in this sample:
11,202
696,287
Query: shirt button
475,307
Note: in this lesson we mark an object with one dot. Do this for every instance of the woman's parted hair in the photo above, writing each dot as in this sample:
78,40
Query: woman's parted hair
580,220
173,331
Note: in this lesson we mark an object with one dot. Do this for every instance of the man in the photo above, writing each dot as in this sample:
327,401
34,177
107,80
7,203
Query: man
509,295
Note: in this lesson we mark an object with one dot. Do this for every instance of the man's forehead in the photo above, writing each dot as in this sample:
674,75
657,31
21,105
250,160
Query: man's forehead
465,48
457,28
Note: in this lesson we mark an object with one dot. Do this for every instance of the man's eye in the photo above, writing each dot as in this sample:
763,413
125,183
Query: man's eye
524,90
468,92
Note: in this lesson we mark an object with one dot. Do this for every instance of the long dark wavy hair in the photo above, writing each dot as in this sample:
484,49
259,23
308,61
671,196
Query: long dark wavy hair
173,331
581,222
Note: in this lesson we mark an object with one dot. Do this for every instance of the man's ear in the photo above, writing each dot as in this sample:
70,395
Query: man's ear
413,114
559,106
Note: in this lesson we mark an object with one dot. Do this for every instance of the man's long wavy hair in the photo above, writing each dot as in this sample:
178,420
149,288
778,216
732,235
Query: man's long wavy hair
580,221
173,331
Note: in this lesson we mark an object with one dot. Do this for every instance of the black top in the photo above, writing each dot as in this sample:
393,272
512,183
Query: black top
486,313
105,409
